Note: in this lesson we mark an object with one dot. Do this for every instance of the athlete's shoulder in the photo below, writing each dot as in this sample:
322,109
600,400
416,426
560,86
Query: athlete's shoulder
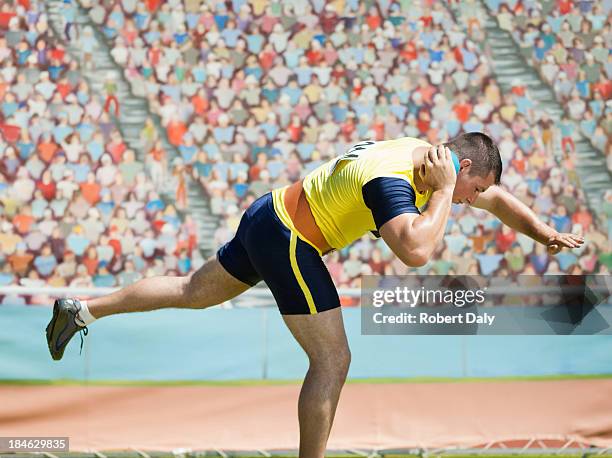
393,157
408,142
402,146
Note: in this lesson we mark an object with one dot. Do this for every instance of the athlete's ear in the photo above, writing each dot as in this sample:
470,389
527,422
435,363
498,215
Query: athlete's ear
465,163
422,171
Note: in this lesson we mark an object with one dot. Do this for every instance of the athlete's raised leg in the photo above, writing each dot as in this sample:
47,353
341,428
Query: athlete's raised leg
323,339
208,286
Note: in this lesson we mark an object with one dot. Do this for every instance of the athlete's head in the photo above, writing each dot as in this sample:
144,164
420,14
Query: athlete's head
480,165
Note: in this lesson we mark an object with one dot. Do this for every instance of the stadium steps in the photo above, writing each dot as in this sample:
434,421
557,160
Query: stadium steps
134,111
508,65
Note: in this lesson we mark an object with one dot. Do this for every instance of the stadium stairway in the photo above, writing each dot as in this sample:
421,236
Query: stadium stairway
509,65
134,111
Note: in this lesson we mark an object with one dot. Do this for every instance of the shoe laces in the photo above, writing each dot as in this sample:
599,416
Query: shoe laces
83,331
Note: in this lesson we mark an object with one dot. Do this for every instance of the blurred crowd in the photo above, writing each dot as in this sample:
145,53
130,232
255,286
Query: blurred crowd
76,207
569,43
255,94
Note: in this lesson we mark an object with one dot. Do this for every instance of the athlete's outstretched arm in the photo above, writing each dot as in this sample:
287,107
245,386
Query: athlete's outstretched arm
520,217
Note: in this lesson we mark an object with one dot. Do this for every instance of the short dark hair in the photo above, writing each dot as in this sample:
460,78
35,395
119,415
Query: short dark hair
482,150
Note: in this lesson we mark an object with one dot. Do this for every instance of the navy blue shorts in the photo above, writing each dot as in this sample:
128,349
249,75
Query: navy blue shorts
265,249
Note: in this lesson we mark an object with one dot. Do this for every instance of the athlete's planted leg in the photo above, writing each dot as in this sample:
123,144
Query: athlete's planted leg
323,339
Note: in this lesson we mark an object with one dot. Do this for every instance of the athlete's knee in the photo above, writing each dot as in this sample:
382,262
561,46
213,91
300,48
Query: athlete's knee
209,286
333,364
344,362
187,288
192,292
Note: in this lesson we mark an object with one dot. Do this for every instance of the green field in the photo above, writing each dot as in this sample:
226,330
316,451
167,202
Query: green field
272,382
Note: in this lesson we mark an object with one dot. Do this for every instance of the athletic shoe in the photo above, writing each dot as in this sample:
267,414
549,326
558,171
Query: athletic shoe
63,326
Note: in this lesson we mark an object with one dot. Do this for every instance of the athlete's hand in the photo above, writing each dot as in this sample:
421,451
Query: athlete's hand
438,172
558,241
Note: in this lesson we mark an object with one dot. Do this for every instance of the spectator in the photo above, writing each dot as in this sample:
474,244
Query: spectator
46,262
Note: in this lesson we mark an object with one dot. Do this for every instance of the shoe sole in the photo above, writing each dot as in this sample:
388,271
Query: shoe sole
55,355
51,326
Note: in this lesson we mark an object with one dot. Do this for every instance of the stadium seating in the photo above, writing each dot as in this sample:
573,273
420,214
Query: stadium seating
569,44
77,209
275,92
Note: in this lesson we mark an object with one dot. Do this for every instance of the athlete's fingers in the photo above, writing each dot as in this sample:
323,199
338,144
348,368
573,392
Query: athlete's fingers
570,240
576,240
565,241
432,156
432,153
426,167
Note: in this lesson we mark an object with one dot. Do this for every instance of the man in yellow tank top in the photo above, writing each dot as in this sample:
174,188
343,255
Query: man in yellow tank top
335,190
400,190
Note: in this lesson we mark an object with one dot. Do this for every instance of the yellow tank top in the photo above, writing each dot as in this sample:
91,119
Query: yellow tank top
334,189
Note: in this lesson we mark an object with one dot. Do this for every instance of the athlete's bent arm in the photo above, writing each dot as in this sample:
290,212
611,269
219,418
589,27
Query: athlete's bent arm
514,213
412,237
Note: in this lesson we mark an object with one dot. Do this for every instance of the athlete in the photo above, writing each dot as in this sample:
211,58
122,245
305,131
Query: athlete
400,190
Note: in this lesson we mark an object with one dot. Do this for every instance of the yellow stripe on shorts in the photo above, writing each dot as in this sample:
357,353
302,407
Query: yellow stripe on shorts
298,274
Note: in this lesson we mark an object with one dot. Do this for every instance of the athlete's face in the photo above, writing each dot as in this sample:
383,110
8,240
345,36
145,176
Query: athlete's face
468,186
